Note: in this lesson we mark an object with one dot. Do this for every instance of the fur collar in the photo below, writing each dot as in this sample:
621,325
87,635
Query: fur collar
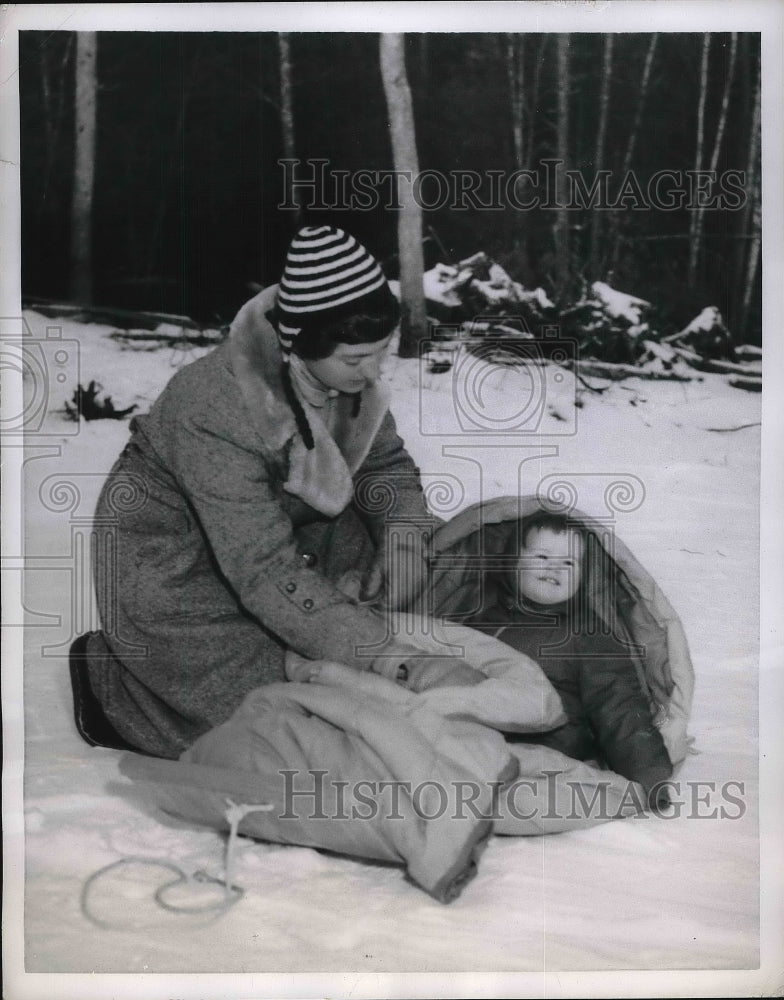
322,476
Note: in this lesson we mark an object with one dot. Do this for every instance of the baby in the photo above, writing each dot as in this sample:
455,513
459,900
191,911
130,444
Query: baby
539,608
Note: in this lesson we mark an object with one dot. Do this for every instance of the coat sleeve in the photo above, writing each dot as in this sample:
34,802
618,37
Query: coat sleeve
388,496
620,716
388,484
227,482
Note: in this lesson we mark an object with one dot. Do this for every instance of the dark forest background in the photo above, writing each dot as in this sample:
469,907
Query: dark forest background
190,128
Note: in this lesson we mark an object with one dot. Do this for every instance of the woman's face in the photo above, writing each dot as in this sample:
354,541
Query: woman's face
351,367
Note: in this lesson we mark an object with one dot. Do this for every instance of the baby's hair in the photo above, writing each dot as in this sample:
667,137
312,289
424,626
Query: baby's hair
548,520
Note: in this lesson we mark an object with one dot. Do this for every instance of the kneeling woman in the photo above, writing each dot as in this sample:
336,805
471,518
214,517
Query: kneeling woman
245,513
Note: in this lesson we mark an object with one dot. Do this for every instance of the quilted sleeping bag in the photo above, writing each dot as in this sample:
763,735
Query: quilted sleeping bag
356,764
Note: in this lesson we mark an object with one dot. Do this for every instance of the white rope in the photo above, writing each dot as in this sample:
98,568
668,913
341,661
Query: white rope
234,816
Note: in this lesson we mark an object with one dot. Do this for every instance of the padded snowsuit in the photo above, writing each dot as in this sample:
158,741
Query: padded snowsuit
609,716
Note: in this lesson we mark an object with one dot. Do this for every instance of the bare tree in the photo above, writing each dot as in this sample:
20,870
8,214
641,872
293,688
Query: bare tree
287,117
84,167
409,222
633,133
725,101
515,73
698,154
53,91
561,230
752,211
695,244
532,105
601,134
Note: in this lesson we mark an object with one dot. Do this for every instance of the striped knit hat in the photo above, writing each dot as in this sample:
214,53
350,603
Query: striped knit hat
328,274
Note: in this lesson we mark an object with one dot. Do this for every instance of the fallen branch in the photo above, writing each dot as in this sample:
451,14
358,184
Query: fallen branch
594,388
724,367
129,317
749,384
618,372
198,338
728,430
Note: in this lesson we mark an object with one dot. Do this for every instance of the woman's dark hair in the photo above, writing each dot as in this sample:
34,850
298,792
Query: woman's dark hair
319,339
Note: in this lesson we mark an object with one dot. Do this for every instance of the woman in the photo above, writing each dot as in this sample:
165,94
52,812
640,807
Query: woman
232,515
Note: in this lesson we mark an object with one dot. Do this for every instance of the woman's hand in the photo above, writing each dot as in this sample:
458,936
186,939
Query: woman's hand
398,576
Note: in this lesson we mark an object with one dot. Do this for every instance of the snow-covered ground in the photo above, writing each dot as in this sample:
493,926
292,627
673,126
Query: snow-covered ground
652,893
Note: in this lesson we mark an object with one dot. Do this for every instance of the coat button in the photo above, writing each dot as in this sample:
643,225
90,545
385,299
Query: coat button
307,604
291,587
309,559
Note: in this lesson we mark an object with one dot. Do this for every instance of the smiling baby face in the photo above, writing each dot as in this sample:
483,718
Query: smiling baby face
549,566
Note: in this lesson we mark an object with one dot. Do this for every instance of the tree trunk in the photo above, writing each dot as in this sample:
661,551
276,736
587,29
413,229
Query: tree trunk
514,57
725,101
753,261
175,163
287,119
695,246
53,112
598,160
694,221
751,216
423,51
561,232
533,105
413,326
84,168
627,160
515,73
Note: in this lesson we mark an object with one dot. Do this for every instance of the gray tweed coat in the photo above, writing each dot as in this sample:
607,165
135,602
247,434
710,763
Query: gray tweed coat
207,565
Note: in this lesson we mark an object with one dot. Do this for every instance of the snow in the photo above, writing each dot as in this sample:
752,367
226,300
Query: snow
708,319
654,893
538,295
619,304
439,285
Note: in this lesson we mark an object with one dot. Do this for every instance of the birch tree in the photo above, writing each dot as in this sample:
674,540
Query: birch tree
632,142
698,153
287,119
533,104
515,74
53,91
83,167
561,231
409,221
598,158
752,210
695,242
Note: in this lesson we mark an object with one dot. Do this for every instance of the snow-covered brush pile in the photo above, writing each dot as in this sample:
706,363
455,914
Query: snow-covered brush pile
706,345
609,325
607,333
479,287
